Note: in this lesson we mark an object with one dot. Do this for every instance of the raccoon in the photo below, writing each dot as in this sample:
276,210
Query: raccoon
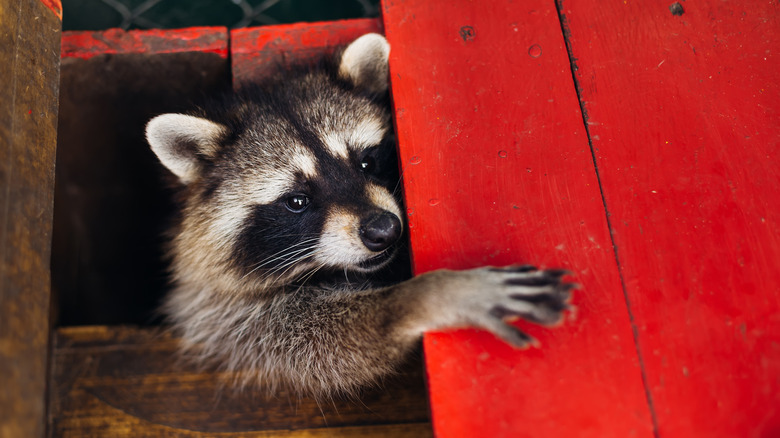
289,216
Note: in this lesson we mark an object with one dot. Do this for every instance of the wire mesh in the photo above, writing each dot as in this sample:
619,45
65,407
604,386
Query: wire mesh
165,14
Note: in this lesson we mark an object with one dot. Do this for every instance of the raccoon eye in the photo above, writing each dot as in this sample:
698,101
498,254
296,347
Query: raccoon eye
297,203
367,164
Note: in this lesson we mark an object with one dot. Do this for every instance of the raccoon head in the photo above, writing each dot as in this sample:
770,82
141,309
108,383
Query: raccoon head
288,178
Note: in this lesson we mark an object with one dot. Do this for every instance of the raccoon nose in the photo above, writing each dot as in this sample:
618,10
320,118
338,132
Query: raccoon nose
380,231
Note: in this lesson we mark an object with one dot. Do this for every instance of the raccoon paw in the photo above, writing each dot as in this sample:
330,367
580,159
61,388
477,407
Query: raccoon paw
538,296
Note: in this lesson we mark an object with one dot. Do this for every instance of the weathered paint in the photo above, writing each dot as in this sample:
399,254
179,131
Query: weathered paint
497,170
258,52
55,6
684,116
86,44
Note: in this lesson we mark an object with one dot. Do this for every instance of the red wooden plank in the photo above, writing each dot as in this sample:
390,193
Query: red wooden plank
684,115
258,52
55,6
86,44
497,170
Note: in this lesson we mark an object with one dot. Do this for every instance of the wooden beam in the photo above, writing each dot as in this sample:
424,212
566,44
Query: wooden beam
29,68
259,52
129,382
86,44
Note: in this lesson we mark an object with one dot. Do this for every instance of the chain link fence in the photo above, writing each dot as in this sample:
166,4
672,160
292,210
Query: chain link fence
167,14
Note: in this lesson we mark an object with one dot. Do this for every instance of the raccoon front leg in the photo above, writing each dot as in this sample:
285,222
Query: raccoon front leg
339,341
487,298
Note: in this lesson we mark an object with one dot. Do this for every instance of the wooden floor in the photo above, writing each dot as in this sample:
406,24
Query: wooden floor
127,382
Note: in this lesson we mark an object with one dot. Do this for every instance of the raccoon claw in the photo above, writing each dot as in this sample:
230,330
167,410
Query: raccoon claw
513,335
521,269
536,296
538,278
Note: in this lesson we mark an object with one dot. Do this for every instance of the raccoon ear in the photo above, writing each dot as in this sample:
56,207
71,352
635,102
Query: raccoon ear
364,62
181,142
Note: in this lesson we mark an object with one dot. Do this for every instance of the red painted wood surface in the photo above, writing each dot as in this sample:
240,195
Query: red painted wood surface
257,52
55,6
684,115
497,170
86,44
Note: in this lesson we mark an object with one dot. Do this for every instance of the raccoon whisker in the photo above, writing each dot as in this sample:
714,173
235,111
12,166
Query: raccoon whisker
366,285
278,236
282,270
283,254
397,187
308,276
280,254
400,180
289,258
287,255
291,263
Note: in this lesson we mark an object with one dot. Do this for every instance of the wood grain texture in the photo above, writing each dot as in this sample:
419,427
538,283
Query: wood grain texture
497,170
125,381
29,68
55,6
259,52
684,116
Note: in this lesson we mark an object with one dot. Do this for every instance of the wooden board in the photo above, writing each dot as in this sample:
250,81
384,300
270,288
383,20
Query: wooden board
29,80
86,44
683,110
497,170
128,382
258,52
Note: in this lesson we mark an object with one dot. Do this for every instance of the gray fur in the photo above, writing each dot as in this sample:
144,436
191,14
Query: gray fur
308,315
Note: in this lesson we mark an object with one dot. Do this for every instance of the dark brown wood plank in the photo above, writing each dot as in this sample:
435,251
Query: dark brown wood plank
111,204
126,381
29,80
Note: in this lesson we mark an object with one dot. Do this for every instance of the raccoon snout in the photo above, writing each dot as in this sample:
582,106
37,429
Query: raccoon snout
380,231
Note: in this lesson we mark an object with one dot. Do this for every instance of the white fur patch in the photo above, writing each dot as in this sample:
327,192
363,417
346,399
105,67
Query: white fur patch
340,243
366,134
267,184
227,221
382,198
305,162
364,62
335,144
177,139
